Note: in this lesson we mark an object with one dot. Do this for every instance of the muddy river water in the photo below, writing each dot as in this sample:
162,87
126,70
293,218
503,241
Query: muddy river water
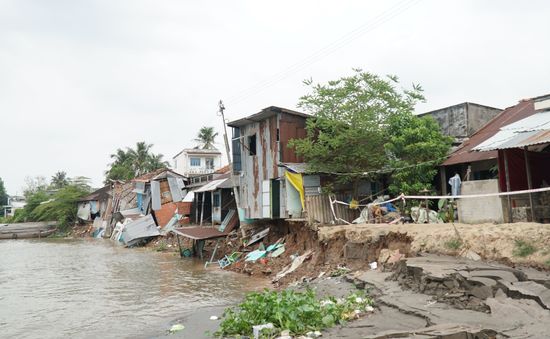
94,289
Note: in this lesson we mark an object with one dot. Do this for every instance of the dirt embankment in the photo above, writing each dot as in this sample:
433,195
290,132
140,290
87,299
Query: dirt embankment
517,243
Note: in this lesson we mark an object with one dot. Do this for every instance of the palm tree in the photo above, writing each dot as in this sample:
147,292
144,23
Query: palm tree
59,180
133,162
206,137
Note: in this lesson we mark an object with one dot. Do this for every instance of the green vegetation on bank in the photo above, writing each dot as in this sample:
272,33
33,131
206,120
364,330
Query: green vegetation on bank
48,202
364,126
297,312
133,162
523,248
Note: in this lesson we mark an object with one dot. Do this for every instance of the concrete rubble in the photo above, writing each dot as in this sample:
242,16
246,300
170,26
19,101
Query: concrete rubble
447,297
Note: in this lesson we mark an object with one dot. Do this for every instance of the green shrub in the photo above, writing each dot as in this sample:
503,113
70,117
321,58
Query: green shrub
523,248
453,244
298,312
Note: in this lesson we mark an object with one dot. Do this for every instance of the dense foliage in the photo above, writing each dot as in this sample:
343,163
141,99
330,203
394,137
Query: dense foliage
3,197
133,162
363,126
46,202
298,312
59,180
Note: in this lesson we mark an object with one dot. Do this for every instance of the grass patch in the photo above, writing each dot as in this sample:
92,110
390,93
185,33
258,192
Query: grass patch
523,248
547,263
297,312
161,246
453,244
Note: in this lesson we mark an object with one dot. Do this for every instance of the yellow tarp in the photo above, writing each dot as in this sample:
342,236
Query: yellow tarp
296,180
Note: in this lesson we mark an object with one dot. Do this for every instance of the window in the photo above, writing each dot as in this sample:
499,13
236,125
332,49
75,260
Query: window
236,145
252,144
195,162
216,200
209,162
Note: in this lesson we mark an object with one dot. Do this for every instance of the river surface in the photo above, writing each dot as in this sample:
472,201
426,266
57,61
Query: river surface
94,289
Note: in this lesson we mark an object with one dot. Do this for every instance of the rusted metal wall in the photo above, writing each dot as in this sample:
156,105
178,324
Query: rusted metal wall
290,127
272,136
318,210
259,167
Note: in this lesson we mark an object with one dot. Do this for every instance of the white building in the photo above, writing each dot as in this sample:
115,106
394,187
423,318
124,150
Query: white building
14,203
193,161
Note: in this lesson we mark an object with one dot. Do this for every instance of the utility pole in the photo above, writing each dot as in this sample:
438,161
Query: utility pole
228,151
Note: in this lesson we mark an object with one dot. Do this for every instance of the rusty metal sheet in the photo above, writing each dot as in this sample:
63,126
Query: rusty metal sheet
465,153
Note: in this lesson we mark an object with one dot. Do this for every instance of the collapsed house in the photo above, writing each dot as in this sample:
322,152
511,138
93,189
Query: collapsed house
94,204
137,210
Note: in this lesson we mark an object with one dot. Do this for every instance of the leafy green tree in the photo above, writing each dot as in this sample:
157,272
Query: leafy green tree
3,197
206,137
133,162
59,180
364,125
34,185
416,147
62,206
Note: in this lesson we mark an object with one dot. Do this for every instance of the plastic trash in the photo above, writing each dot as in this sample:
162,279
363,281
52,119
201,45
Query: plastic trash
214,317
373,265
257,329
176,328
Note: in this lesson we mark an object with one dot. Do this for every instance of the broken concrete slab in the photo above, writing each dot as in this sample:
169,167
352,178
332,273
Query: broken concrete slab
529,290
495,274
483,281
508,317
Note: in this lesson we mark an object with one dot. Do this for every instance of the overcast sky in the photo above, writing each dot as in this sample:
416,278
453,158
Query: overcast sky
79,79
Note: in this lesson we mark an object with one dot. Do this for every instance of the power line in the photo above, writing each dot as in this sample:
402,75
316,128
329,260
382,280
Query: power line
380,19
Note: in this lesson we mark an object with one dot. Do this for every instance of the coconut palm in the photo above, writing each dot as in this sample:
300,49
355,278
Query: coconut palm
133,162
59,180
206,137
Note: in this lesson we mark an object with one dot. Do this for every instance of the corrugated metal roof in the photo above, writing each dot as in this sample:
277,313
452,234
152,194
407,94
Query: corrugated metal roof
103,193
211,186
264,114
466,154
535,122
532,130
519,140
296,167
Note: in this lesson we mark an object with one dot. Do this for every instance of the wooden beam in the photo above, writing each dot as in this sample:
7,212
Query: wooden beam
529,182
509,197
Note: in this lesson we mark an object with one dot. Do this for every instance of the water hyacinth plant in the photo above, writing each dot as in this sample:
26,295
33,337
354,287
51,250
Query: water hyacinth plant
297,312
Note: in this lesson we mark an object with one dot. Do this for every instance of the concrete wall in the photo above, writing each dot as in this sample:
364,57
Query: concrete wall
480,210
182,163
478,116
453,120
462,120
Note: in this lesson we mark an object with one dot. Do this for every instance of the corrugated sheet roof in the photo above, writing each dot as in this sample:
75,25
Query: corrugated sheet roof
157,174
211,186
532,130
101,194
465,153
264,114
296,167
